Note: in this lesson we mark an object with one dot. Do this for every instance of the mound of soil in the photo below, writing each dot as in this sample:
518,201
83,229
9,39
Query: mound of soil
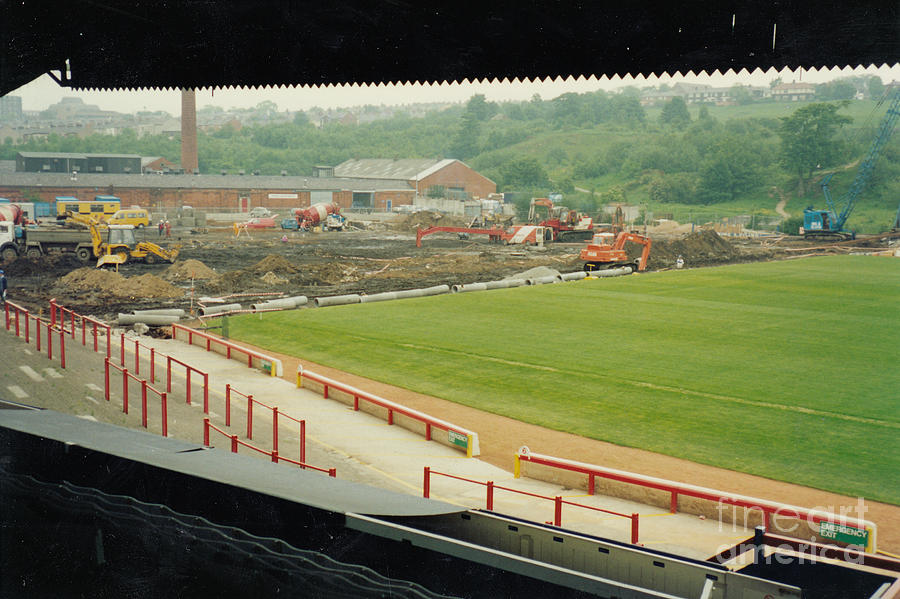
702,247
276,264
426,218
55,263
187,269
113,285
273,280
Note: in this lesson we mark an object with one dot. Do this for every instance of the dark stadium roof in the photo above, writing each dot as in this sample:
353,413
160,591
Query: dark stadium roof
285,482
197,43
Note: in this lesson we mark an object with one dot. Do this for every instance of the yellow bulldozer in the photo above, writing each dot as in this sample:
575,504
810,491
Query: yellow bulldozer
120,246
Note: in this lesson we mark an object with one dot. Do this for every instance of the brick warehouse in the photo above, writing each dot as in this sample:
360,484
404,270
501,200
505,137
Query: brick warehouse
239,193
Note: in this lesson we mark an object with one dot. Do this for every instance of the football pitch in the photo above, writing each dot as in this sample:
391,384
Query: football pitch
787,370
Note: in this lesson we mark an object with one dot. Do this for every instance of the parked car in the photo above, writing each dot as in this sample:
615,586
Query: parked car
289,223
260,212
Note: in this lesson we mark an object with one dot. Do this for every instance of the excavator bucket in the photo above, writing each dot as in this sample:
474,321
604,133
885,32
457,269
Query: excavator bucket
112,259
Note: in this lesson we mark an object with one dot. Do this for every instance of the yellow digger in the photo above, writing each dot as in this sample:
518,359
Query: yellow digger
120,247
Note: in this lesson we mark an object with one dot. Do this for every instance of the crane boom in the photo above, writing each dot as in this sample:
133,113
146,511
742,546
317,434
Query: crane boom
831,222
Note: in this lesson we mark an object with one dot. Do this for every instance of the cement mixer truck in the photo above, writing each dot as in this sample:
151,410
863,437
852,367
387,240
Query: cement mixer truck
326,215
12,213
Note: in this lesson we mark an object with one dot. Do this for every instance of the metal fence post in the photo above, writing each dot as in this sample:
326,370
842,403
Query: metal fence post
634,528
227,404
144,403
106,376
557,511
275,429
165,414
125,390
426,483
489,505
249,416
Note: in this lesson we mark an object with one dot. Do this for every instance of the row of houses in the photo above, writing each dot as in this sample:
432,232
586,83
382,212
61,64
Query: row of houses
377,185
698,93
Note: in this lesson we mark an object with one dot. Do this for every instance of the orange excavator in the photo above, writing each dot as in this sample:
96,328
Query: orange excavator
600,254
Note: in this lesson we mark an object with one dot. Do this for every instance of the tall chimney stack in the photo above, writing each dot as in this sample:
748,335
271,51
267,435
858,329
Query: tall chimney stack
189,160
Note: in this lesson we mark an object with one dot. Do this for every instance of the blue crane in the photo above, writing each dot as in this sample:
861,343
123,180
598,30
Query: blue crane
830,222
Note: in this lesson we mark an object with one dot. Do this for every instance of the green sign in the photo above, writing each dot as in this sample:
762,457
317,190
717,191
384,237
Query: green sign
458,438
844,534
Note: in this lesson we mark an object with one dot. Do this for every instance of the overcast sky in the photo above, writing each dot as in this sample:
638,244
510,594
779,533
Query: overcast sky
42,92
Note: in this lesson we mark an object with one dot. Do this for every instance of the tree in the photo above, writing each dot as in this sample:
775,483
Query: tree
841,89
524,172
301,119
875,87
465,141
741,94
807,139
675,113
480,108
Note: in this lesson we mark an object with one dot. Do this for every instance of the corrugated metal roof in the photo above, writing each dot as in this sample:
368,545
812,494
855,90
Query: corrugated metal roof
385,168
92,180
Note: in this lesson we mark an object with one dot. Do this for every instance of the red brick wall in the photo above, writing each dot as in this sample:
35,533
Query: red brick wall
458,174
397,198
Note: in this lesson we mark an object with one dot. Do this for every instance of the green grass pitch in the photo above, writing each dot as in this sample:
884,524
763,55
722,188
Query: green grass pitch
789,370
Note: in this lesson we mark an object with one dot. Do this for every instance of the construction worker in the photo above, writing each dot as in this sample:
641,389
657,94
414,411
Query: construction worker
161,227
679,262
168,229
3,285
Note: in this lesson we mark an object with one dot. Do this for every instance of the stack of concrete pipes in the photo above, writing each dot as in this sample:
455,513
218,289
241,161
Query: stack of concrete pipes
286,303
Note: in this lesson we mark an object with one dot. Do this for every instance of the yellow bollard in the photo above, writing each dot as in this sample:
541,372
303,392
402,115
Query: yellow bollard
468,446
517,468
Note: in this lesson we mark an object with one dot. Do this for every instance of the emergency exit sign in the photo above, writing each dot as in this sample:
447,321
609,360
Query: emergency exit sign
844,534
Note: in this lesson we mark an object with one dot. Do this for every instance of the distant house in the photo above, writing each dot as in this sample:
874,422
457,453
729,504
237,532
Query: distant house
455,179
793,92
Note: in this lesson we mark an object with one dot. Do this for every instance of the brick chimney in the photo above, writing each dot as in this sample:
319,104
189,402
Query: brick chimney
189,160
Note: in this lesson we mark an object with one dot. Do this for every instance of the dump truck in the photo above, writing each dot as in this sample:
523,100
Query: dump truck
35,242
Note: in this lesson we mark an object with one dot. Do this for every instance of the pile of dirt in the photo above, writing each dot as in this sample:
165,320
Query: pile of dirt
425,219
51,263
276,264
273,280
702,247
669,228
187,269
113,285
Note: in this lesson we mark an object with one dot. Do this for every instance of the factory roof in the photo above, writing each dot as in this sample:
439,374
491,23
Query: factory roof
385,168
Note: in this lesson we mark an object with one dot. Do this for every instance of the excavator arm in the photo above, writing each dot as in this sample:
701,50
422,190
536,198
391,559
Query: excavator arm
625,237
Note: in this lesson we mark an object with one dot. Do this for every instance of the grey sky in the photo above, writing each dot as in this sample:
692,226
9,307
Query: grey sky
42,92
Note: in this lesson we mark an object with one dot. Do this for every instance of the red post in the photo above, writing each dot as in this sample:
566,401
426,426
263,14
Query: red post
325,391
249,416
390,416
137,357
205,393
303,441
125,390
490,496
428,431
332,472
426,483
165,415
234,443
152,364
106,376
227,404
188,385
557,511
673,502
62,349
144,403
49,342
37,331
275,429
169,374
122,349
275,456
206,432
634,528
355,401
592,483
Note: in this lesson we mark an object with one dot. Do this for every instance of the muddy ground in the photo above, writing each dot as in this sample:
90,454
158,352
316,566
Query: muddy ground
382,257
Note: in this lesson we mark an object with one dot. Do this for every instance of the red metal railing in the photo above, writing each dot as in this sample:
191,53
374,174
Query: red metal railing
273,455
145,388
20,314
768,508
276,415
457,436
58,315
558,501
188,369
228,346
